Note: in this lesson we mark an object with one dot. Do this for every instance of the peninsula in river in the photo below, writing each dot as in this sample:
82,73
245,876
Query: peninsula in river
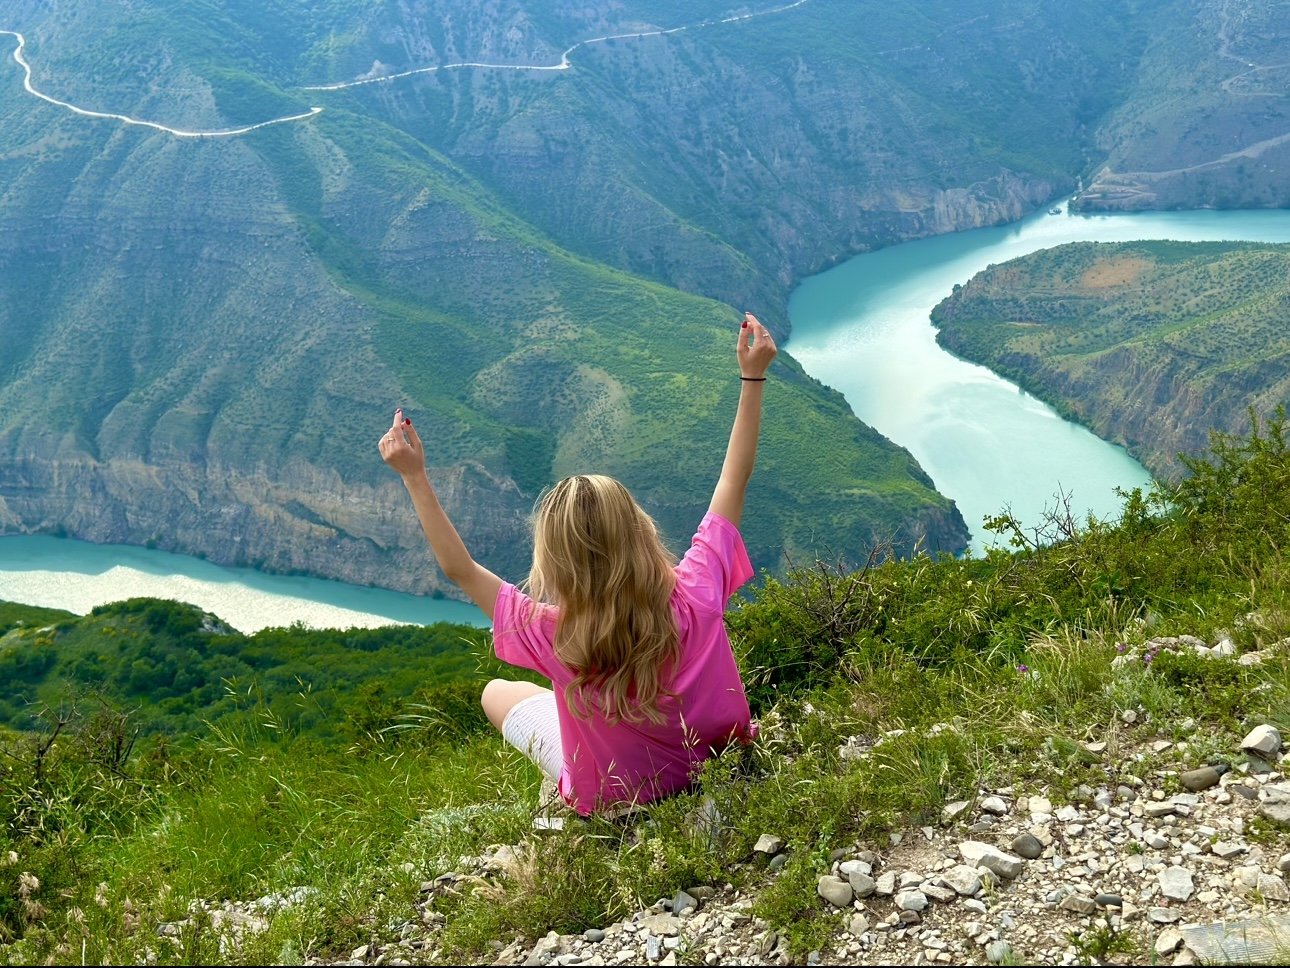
1150,344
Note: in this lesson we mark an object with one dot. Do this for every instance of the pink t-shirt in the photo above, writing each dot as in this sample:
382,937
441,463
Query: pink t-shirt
608,764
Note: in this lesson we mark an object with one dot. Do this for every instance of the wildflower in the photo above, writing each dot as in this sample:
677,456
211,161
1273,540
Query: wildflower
1121,648
1022,668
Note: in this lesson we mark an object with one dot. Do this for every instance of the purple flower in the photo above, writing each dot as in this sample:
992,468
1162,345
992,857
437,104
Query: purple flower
1022,667
1120,647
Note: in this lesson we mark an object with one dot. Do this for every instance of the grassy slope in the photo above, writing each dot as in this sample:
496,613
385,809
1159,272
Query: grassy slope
1208,87
1152,344
732,158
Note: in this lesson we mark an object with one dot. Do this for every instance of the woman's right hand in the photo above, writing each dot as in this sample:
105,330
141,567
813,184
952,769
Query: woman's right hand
401,448
755,357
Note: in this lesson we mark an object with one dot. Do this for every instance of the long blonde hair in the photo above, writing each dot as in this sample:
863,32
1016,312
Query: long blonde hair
599,557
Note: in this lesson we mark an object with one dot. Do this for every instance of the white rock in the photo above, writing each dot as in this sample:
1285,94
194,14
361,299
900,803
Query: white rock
979,854
1176,883
1169,941
994,805
1246,878
1264,741
1272,887
911,901
963,879
1077,903
939,893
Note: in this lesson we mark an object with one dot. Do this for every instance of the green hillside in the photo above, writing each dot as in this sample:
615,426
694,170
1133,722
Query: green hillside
176,671
241,313
1204,122
1149,344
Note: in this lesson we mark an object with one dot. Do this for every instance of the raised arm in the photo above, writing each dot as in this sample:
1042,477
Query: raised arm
755,350
401,448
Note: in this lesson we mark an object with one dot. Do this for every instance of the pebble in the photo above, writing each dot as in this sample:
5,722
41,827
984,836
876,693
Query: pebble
1028,846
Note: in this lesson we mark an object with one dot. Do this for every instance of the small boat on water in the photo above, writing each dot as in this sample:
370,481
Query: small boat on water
1055,211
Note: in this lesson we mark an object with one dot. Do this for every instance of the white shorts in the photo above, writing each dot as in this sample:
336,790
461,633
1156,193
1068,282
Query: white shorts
533,727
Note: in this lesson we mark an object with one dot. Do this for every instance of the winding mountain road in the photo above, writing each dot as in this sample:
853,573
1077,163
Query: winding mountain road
126,119
563,64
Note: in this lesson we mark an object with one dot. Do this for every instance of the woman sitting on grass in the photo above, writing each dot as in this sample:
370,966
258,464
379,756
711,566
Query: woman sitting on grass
646,686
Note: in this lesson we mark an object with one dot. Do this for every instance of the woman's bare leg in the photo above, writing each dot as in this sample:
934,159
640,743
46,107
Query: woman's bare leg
501,695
